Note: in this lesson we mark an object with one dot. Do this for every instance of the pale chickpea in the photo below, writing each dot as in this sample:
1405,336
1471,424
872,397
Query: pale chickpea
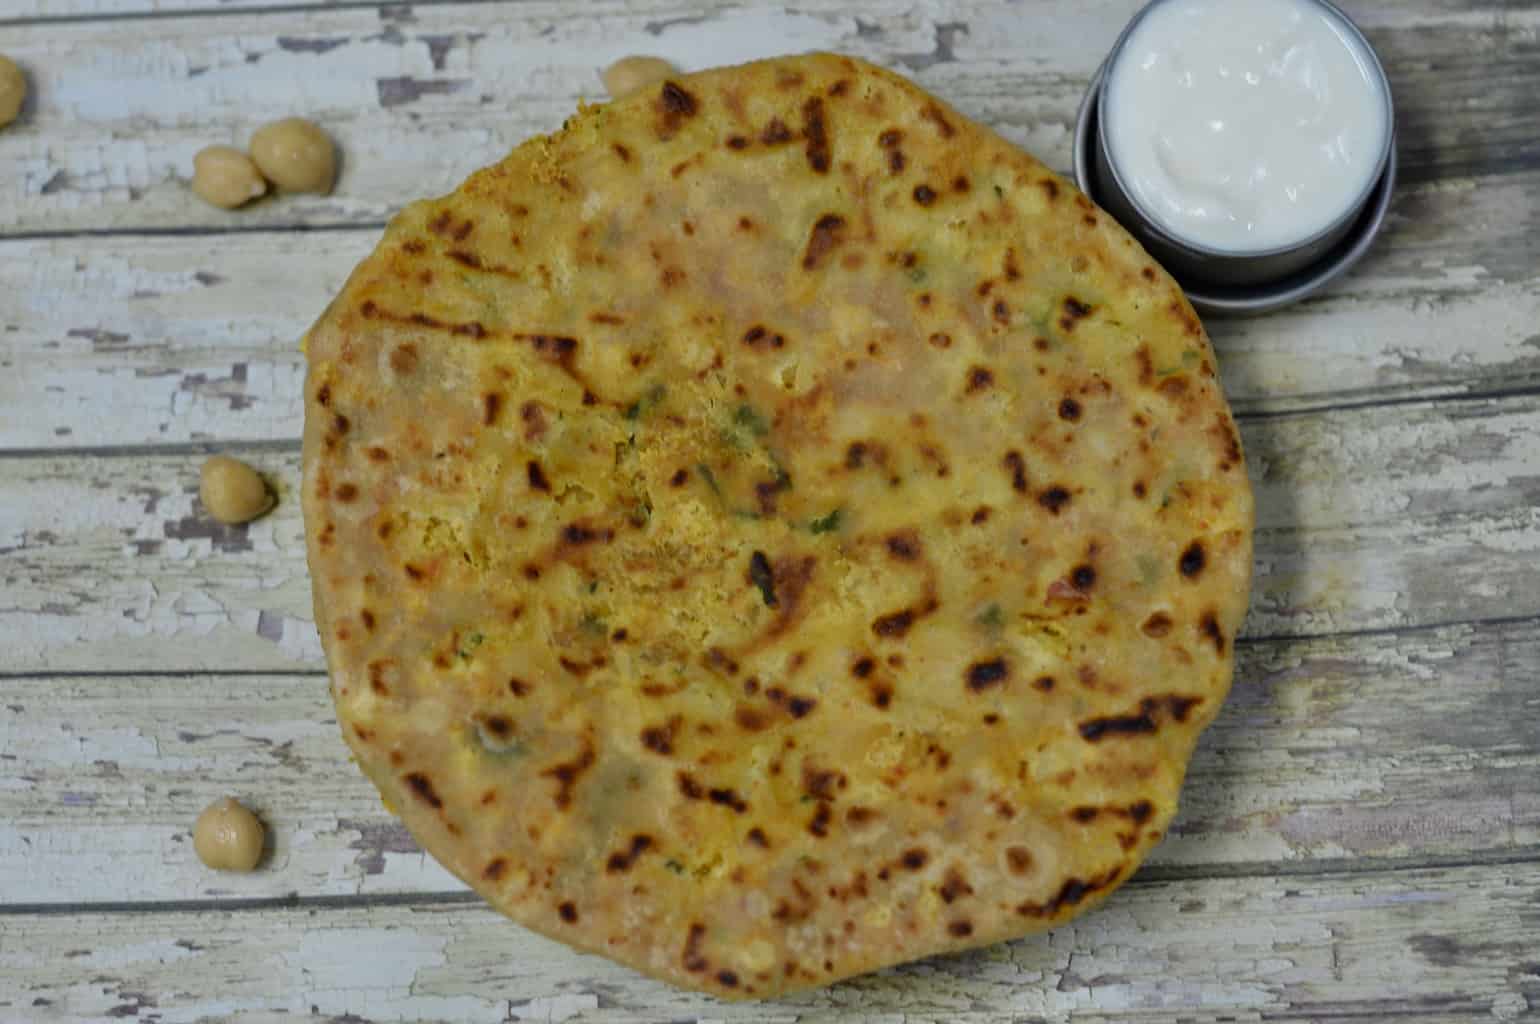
13,90
228,837
629,74
296,155
232,492
225,177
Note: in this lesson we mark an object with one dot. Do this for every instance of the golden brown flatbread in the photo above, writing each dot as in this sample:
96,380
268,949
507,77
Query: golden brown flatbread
773,528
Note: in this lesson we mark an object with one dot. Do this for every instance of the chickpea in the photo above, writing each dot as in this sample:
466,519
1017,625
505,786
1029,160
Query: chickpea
226,177
13,90
228,837
629,74
296,155
232,492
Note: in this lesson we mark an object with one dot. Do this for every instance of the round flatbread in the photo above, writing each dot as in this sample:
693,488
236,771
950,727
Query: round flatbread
773,528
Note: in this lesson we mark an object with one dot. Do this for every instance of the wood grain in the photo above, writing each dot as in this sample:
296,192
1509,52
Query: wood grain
421,96
142,340
1407,748
1445,942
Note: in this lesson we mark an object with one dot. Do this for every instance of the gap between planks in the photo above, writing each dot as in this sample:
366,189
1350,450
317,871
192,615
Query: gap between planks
234,10
195,231
1243,640
1148,876
1489,171
85,17
289,446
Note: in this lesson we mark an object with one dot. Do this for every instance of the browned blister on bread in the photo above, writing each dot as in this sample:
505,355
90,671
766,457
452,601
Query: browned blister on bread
773,528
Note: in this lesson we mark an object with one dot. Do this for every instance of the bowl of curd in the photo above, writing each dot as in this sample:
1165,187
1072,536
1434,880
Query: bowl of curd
1248,144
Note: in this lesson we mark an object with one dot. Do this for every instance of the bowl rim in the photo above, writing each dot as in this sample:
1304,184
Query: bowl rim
1252,300
1198,249
1304,283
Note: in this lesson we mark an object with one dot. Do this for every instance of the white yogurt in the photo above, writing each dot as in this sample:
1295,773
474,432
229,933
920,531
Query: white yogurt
1245,125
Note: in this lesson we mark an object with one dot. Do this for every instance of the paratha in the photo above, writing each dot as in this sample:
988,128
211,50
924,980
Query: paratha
773,528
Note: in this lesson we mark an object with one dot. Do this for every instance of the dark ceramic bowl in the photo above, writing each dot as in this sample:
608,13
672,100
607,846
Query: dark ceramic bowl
1239,283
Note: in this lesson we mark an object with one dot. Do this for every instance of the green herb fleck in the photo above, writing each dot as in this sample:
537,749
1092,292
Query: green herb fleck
649,401
711,478
746,416
593,623
991,618
1190,357
828,523
468,643
674,866
918,275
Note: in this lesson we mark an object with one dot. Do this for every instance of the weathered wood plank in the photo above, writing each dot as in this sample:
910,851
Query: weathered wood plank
1454,943
421,96
110,564
1407,748
417,97
138,340
1369,518
1400,745
107,775
162,339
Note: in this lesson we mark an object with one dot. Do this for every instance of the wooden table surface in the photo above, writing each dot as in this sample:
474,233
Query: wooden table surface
1360,837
